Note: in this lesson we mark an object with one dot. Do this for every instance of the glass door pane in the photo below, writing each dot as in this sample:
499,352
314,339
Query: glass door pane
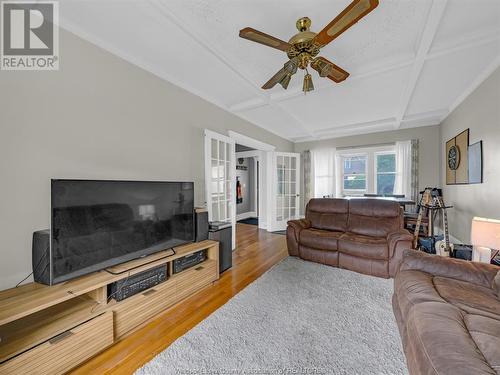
287,189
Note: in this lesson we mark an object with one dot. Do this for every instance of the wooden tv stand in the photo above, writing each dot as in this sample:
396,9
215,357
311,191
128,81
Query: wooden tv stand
52,329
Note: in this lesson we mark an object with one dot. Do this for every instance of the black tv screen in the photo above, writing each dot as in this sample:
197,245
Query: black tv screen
98,224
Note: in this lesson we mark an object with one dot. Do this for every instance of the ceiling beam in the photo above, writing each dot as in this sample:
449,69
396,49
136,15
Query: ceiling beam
386,124
209,47
430,29
475,84
286,95
475,40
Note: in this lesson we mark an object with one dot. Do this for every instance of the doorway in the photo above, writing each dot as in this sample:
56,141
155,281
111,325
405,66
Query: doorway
247,188
274,187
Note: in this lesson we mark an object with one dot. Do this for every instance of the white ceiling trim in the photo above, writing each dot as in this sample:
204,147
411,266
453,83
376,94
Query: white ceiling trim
385,124
210,47
478,39
162,74
474,85
430,29
286,95
438,11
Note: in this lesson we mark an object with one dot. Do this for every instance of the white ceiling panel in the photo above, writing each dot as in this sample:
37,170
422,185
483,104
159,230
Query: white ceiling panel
455,74
467,19
410,61
354,101
159,44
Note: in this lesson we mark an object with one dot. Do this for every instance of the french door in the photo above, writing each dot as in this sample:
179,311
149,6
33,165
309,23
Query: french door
220,175
285,189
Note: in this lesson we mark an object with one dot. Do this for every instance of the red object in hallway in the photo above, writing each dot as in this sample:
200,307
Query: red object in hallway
239,196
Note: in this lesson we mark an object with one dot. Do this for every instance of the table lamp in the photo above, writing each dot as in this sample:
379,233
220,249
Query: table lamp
485,236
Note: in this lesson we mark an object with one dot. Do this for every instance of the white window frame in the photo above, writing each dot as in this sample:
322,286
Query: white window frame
375,168
371,167
354,191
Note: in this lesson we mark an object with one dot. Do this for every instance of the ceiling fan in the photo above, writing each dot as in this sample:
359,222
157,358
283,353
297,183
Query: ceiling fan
302,49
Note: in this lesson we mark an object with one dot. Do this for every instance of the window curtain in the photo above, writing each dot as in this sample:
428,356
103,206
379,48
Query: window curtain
323,172
407,169
308,177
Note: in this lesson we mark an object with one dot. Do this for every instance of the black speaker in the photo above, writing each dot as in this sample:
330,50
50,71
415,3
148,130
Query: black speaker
40,257
201,220
225,247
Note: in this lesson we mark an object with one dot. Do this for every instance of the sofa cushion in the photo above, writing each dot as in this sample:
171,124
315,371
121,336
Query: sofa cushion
374,217
413,287
328,214
330,258
319,239
486,334
440,343
471,298
364,246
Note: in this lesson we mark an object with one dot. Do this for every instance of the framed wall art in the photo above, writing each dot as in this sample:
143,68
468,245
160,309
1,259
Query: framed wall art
457,159
476,163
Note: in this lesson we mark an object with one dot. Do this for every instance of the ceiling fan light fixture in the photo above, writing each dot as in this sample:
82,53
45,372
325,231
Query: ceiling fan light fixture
286,80
308,83
303,48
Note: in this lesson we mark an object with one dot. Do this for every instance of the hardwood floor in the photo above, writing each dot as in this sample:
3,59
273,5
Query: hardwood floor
256,252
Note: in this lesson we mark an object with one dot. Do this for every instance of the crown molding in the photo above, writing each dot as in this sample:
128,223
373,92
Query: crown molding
430,30
474,85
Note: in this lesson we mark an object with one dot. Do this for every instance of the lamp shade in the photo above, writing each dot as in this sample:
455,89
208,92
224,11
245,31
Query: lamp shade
485,233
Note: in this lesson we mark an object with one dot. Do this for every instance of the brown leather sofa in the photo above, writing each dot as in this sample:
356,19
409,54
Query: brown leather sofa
362,235
448,313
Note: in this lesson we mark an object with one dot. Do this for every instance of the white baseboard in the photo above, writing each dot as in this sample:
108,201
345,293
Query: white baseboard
262,224
246,215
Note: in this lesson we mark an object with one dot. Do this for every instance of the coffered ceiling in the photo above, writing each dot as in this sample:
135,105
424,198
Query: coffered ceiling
411,61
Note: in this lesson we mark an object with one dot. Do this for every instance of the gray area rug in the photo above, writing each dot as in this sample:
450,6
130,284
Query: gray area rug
298,318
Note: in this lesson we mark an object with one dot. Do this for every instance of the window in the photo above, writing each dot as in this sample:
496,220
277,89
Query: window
323,169
354,173
385,169
367,170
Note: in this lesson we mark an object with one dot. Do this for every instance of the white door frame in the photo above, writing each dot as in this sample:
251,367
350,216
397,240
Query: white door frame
272,188
209,135
262,150
254,156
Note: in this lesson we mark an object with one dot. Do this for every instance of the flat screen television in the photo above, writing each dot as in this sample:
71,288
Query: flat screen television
98,224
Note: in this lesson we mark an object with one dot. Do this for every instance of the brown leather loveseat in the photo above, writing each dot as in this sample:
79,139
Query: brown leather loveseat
362,235
448,313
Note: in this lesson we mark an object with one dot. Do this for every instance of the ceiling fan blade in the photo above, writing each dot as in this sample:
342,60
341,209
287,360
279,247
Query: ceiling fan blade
274,79
263,38
349,16
328,69
283,75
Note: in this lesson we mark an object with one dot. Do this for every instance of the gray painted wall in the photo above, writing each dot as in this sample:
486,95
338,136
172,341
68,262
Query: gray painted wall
98,117
247,180
429,156
480,112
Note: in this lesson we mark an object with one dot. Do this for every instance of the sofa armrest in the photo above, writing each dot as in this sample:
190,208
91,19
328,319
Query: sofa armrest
299,224
481,274
292,234
398,241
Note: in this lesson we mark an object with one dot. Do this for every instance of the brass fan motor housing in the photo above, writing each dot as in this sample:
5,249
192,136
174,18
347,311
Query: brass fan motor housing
302,43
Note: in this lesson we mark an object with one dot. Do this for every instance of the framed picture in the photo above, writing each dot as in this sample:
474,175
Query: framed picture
457,164
476,163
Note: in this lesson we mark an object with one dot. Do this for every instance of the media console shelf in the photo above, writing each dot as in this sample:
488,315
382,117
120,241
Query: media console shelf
51,329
